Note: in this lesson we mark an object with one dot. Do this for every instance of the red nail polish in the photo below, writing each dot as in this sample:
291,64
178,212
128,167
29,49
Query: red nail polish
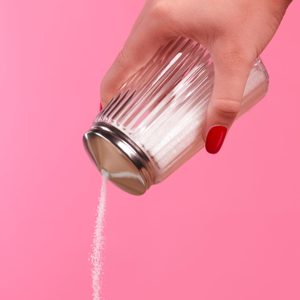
215,139
100,106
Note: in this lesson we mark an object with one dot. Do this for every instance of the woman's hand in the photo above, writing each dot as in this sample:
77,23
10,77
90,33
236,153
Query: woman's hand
234,31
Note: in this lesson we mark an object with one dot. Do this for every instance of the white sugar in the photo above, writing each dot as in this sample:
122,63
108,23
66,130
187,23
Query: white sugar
98,243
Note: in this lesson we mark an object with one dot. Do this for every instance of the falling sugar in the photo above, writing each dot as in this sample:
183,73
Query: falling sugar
98,243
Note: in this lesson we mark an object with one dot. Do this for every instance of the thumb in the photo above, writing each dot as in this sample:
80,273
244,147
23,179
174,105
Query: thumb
231,74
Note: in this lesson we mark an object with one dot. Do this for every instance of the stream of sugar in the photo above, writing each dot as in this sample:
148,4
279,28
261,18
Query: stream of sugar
98,243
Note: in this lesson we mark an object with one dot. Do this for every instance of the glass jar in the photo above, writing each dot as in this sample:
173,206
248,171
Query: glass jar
153,125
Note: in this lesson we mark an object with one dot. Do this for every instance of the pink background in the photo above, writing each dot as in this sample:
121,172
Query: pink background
223,227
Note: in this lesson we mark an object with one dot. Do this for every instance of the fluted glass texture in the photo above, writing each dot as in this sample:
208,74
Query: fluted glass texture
162,107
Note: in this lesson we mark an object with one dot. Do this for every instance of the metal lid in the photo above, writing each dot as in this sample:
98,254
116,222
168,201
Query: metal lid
125,163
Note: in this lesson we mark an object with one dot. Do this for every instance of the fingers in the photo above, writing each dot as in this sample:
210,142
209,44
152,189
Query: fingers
149,33
231,72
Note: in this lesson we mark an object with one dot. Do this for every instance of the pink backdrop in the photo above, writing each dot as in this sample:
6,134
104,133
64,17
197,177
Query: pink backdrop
224,227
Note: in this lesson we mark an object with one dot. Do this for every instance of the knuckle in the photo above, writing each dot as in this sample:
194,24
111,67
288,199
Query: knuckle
238,58
235,54
105,91
122,59
228,108
104,96
160,10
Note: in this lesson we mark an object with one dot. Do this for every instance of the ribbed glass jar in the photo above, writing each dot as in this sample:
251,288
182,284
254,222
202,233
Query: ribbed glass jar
153,125
162,107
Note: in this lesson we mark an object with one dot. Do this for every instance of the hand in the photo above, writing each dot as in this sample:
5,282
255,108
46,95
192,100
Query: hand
234,31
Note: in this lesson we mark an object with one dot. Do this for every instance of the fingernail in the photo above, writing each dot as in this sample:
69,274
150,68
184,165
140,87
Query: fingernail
215,139
100,106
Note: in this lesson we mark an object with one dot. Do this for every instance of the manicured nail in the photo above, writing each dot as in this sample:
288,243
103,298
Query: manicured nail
100,106
215,139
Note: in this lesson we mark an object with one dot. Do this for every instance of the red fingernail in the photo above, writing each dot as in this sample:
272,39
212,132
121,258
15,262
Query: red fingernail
215,139
101,106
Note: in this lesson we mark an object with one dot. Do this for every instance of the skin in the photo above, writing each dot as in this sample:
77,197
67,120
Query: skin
234,31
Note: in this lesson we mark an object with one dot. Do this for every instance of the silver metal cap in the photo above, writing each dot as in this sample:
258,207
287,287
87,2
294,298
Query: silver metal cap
125,163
